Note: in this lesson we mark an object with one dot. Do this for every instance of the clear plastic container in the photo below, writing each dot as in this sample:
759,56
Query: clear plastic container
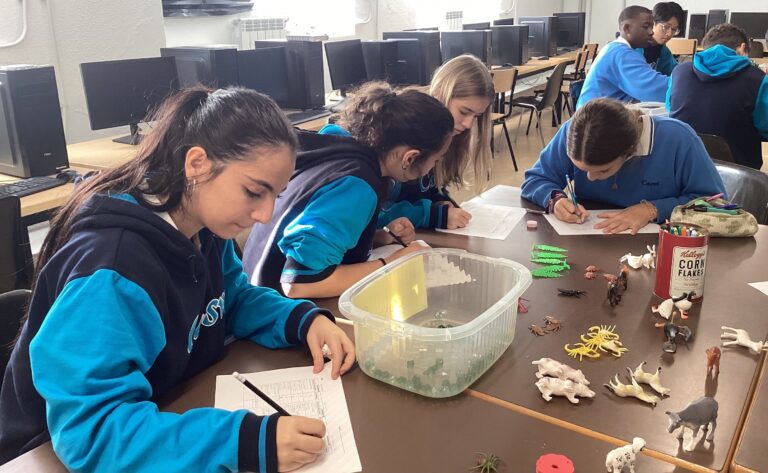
435,321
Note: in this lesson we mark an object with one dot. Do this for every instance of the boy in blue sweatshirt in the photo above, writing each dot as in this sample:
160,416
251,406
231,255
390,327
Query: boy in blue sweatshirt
667,18
621,157
621,73
138,287
722,93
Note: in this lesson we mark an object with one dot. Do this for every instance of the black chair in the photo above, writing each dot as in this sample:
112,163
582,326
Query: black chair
541,102
15,253
13,305
755,49
747,187
717,147
503,83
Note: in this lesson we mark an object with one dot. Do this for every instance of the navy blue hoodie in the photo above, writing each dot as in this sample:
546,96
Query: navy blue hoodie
125,310
721,93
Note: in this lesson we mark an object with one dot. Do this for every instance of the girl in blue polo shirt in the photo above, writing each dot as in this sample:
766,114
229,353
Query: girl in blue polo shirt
646,165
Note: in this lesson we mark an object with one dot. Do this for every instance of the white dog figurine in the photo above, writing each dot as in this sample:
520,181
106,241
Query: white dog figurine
651,380
741,337
621,457
550,367
567,388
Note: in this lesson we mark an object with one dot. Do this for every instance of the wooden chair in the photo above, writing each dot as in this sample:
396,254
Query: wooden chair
755,49
503,82
591,49
682,46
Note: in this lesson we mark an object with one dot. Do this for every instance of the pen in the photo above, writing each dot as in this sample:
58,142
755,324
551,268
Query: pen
572,191
258,392
534,211
397,238
448,196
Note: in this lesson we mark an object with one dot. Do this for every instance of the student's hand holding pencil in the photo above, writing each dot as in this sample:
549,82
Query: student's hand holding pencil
401,228
457,218
342,350
565,210
299,441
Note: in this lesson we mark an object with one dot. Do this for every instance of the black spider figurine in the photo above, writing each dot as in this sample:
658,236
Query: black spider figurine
570,292
672,332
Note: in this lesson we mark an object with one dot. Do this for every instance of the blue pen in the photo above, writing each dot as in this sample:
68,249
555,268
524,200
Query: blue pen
572,191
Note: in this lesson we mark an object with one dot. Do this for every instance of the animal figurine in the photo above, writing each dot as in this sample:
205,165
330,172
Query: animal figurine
590,275
570,293
741,337
621,457
649,259
684,303
672,332
558,387
486,463
631,390
701,413
551,324
665,308
604,338
521,305
635,262
592,269
713,361
614,292
550,367
536,330
581,350
652,380
622,279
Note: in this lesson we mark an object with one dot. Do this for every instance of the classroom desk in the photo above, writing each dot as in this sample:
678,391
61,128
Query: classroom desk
751,455
398,431
731,264
537,66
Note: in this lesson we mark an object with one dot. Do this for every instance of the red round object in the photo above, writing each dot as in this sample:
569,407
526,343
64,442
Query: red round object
554,463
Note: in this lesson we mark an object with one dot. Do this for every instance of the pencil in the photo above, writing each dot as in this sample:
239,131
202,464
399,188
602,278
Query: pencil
448,196
572,191
259,393
397,238
536,211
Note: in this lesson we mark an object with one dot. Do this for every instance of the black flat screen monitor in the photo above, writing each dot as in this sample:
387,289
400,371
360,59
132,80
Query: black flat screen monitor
504,21
429,42
570,29
476,43
716,17
697,26
542,31
346,64
509,45
477,26
754,23
265,70
119,93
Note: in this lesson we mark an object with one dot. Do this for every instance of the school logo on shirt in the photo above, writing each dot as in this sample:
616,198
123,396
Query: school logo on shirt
213,312
649,183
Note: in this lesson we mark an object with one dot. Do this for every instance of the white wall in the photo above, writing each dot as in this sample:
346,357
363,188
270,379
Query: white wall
92,30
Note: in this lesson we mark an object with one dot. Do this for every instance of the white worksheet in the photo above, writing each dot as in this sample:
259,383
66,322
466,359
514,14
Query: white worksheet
300,392
488,221
586,228
760,286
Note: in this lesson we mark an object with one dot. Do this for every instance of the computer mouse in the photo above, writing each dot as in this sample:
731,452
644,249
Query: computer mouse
69,175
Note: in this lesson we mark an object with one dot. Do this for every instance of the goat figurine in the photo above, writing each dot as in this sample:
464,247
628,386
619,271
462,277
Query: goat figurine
741,337
621,457
550,367
651,380
631,390
701,413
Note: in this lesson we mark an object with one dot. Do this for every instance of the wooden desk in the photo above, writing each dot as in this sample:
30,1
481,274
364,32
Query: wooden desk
398,431
537,66
751,455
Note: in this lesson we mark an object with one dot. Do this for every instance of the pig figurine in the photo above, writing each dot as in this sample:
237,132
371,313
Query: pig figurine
700,413
550,367
559,387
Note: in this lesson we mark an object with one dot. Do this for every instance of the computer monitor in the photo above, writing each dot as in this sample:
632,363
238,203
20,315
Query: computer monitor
123,92
427,28
381,60
542,36
306,79
345,64
476,26
213,65
504,21
716,17
265,70
474,42
697,26
570,29
509,45
754,23
429,43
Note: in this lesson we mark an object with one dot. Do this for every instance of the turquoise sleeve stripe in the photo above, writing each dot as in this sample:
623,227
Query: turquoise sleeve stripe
88,361
258,313
330,224
263,447
667,102
760,113
417,212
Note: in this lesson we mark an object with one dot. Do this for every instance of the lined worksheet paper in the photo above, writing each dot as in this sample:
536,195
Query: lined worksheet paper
303,393
488,221
587,228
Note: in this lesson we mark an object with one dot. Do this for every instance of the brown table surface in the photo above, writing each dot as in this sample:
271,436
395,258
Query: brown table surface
728,300
398,431
751,454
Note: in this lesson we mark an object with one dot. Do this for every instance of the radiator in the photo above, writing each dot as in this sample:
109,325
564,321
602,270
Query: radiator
252,29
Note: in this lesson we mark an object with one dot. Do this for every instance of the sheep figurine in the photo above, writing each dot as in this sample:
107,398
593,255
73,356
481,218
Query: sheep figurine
559,387
619,458
550,367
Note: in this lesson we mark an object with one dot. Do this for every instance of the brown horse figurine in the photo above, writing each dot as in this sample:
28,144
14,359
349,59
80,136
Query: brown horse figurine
713,361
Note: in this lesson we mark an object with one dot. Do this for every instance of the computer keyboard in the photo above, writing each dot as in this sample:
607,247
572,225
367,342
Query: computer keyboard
30,185
297,118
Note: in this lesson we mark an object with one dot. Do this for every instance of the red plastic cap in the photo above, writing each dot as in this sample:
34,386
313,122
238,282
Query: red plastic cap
554,463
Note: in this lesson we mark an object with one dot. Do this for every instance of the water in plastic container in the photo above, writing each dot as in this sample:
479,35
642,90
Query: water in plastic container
435,321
